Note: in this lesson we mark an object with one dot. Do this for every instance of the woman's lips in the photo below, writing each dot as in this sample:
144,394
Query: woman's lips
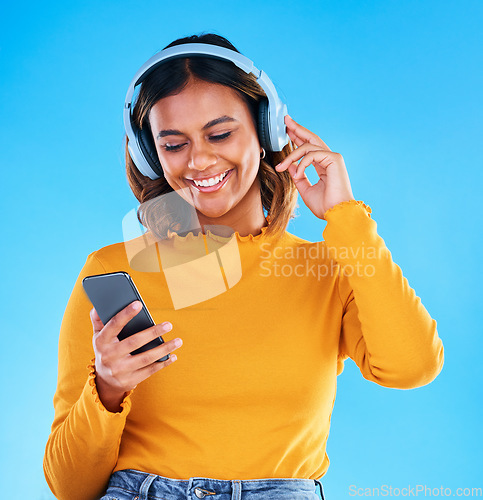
211,189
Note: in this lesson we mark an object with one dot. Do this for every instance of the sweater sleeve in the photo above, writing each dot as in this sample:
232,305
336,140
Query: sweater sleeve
385,328
83,445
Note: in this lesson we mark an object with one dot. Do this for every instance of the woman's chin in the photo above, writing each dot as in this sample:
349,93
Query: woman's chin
211,215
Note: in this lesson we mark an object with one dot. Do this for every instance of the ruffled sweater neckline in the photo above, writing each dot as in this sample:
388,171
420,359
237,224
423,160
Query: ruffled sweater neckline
191,236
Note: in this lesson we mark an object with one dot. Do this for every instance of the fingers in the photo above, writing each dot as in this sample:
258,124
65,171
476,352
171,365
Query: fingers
295,139
118,370
138,362
123,374
121,371
130,344
120,320
304,149
307,142
147,371
303,134
306,161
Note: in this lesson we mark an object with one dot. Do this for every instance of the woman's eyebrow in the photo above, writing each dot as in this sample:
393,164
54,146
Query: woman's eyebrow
212,123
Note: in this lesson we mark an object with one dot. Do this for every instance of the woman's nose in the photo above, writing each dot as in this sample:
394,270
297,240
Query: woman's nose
202,156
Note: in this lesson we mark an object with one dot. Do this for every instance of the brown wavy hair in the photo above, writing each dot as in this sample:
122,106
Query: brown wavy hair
278,191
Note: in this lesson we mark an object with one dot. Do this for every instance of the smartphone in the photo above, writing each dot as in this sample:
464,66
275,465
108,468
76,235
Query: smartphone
110,293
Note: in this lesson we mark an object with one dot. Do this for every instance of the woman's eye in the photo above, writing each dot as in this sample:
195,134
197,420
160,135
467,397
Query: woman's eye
172,148
213,138
220,137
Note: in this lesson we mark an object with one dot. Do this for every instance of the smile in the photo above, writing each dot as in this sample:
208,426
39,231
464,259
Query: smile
211,184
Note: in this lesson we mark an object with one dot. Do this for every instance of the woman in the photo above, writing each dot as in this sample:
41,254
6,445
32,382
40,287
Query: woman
245,411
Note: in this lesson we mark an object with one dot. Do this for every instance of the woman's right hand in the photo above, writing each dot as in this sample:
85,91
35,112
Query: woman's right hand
117,371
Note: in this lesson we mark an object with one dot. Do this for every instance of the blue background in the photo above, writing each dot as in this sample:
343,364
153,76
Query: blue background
394,86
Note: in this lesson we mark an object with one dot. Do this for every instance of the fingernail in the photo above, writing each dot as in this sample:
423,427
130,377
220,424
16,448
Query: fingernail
178,342
167,326
136,305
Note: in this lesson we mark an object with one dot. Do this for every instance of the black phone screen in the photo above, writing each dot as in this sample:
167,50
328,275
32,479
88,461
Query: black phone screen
109,294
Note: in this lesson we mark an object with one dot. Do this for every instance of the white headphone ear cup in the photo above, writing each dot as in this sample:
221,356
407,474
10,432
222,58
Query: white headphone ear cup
146,144
263,125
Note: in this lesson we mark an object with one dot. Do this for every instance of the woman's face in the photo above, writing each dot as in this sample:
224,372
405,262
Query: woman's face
204,132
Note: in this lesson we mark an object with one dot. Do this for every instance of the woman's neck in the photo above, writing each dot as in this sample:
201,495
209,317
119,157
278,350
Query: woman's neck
243,227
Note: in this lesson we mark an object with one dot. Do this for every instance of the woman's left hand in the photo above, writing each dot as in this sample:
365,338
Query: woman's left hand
333,186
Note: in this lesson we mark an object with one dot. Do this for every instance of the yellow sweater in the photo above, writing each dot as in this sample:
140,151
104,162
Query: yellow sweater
252,391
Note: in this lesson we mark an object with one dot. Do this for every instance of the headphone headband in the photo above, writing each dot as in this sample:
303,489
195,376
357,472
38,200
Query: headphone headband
271,118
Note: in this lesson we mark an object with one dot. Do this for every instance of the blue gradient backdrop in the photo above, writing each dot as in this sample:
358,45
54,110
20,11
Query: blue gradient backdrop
394,86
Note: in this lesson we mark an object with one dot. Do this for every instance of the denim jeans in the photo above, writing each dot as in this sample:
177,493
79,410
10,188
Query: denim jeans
131,484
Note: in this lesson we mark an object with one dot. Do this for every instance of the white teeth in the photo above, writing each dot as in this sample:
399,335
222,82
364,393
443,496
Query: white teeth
210,182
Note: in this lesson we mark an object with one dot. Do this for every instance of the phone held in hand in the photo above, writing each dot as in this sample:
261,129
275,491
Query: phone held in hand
112,292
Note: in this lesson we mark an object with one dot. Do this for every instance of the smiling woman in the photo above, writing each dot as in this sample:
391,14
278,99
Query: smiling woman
268,318
202,116
226,148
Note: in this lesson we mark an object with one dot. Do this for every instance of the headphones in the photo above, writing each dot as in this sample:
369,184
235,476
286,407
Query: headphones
271,126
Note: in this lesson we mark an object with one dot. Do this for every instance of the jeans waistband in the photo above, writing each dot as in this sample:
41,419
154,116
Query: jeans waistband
152,486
